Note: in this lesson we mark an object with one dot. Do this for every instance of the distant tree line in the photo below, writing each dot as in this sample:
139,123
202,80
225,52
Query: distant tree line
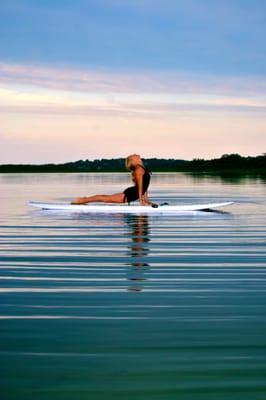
228,162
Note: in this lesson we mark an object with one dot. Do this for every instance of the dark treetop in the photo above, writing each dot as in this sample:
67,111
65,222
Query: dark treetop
227,163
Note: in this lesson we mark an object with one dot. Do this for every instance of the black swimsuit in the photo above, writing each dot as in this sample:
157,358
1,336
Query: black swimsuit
132,192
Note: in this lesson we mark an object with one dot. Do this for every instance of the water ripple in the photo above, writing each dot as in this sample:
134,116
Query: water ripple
136,307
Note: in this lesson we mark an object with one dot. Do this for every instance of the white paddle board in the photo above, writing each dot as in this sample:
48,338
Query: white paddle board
125,208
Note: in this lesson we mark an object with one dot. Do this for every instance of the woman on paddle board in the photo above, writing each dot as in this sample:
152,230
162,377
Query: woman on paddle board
141,179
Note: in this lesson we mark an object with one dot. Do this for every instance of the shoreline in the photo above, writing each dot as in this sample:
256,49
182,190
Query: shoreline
226,164
192,172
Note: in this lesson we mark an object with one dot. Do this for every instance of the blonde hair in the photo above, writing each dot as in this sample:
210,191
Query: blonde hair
129,162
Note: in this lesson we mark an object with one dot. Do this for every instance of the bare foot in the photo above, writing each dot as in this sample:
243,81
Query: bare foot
79,200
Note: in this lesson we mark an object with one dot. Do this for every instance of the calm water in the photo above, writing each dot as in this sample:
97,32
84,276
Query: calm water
132,307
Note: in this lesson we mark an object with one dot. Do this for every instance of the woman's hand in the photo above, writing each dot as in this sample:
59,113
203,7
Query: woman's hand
152,204
147,203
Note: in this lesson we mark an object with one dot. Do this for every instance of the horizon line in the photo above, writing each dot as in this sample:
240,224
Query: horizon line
144,158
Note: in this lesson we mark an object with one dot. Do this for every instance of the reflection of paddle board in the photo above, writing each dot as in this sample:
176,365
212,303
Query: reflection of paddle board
124,208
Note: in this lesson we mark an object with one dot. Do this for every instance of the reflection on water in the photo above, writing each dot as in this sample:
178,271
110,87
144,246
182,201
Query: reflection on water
138,226
137,307
235,177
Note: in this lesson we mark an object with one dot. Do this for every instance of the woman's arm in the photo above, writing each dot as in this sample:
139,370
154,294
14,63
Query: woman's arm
139,181
143,198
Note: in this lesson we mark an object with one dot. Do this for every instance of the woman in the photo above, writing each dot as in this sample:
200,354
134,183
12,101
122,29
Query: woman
141,178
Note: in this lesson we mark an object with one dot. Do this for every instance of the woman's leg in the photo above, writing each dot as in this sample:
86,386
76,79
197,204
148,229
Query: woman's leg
105,198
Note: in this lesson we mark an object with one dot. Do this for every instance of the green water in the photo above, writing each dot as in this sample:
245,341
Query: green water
135,307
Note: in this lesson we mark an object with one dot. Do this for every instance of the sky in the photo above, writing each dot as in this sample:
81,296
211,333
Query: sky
89,79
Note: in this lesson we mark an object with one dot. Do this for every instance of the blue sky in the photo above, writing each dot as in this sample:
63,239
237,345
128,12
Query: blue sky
195,55
200,35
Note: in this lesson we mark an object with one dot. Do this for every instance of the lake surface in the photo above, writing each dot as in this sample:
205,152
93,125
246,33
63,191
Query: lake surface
132,307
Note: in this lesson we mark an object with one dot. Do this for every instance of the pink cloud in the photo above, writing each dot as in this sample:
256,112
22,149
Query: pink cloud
105,81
